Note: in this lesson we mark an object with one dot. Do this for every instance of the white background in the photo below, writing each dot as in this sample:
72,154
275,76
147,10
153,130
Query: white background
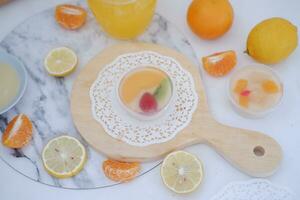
283,124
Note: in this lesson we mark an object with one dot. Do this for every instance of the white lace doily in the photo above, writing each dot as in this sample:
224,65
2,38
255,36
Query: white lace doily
119,124
255,189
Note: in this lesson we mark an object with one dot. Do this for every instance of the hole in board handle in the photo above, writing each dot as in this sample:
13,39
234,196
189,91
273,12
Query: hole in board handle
259,151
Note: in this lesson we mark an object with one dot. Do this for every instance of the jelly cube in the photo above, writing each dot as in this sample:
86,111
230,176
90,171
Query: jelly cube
240,86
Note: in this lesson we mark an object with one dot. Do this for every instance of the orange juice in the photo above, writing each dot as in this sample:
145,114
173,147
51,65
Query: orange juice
123,19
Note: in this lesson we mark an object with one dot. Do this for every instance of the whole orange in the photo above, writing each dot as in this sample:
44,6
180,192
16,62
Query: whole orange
210,19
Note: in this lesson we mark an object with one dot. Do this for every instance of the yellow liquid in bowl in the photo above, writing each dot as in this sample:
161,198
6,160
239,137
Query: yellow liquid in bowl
123,19
9,85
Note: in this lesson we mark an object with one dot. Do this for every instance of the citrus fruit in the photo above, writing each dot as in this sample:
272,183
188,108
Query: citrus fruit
18,132
181,172
60,61
120,171
70,16
64,157
272,40
219,64
210,19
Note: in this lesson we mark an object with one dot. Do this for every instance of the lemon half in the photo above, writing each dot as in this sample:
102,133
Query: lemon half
181,172
64,157
60,61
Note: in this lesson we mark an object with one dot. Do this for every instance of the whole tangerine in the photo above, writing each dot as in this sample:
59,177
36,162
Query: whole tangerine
210,19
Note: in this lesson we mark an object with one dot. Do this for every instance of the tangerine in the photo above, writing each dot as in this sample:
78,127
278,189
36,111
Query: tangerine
219,64
18,132
70,16
120,171
210,19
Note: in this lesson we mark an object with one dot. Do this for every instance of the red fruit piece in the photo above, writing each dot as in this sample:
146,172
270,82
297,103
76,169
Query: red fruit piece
245,93
148,103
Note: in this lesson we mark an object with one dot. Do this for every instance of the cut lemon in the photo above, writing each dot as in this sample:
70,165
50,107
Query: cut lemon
181,172
64,157
60,61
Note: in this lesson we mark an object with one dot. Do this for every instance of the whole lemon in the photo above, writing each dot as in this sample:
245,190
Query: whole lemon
210,19
272,40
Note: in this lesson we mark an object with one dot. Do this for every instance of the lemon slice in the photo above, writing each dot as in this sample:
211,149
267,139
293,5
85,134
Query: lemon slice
60,61
181,172
64,157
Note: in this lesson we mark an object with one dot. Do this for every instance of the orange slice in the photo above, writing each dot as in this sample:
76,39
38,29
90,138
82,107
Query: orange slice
70,16
18,132
270,86
240,85
219,64
120,171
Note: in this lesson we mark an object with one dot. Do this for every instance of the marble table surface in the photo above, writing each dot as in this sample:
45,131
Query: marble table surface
283,124
47,99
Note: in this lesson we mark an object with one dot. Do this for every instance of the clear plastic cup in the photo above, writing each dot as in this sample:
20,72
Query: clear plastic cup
145,92
260,103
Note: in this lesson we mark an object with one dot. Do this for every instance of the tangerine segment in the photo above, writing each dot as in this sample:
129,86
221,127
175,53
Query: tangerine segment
120,171
18,132
70,16
240,85
270,86
244,101
219,64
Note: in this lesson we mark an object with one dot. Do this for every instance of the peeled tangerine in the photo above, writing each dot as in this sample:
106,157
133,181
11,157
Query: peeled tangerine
272,40
219,64
18,132
70,16
120,171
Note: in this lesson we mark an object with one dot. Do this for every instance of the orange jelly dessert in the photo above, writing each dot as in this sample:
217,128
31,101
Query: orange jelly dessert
255,89
145,90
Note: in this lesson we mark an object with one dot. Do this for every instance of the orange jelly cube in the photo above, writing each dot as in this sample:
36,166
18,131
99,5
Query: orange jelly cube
270,86
244,101
240,86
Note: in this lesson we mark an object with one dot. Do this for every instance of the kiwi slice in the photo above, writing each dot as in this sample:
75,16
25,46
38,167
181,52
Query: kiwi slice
163,89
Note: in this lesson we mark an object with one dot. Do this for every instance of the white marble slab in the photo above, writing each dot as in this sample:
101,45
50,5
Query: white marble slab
46,100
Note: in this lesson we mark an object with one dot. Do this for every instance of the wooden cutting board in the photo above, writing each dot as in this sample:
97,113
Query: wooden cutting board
252,152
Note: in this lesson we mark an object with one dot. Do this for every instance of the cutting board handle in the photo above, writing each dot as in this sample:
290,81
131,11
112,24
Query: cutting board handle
252,152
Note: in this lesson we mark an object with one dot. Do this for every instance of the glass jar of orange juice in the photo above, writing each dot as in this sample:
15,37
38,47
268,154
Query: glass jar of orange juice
123,19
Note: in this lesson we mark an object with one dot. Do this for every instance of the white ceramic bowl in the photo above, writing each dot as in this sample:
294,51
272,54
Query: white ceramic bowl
246,112
22,74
